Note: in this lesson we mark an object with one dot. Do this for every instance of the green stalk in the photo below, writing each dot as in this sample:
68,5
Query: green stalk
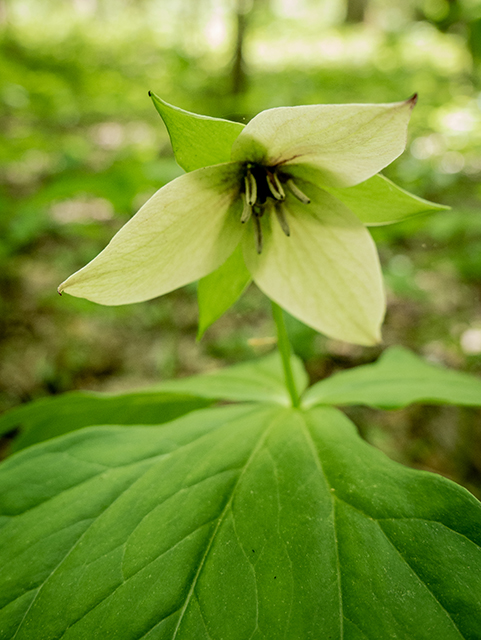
285,350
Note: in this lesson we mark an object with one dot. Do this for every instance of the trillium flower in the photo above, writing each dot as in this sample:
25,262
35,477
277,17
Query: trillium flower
275,201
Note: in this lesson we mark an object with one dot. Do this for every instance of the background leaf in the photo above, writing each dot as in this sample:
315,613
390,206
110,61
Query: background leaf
198,141
218,291
234,522
50,417
398,378
259,380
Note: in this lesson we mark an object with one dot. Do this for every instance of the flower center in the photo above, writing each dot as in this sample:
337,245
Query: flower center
264,190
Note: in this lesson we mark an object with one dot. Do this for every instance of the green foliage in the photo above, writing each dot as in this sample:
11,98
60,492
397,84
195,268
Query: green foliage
256,381
248,520
252,520
51,417
398,379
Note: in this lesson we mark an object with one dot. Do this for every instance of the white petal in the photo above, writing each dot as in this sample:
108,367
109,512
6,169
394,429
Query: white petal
326,273
185,231
347,143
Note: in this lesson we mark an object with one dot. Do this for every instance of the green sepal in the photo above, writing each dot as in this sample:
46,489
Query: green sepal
218,291
198,141
379,201
397,379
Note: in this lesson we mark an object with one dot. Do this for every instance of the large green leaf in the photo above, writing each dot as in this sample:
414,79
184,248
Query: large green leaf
50,417
236,522
260,380
198,141
218,291
397,379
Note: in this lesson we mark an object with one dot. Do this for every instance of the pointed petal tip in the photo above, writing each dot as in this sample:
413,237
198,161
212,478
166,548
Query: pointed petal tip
63,286
363,337
367,334
364,340
376,339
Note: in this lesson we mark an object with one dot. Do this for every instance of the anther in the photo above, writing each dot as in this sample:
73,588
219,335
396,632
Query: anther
275,186
281,217
297,192
251,188
258,234
246,211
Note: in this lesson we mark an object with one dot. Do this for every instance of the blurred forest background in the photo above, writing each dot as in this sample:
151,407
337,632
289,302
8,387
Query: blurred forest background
82,148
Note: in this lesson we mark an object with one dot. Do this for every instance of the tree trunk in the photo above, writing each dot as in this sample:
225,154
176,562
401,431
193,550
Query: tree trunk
239,76
356,10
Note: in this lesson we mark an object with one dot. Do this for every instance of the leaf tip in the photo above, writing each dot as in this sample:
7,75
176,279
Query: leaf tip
200,333
155,99
412,100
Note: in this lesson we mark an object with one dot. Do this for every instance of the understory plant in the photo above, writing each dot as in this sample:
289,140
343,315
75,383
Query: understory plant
243,504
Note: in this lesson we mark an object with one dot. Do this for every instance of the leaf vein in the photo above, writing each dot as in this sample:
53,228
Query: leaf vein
227,507
420,580
315,454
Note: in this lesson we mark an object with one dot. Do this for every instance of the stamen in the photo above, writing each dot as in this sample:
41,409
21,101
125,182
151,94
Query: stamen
297,192
251,188
275,186
281,217
247,211
258,234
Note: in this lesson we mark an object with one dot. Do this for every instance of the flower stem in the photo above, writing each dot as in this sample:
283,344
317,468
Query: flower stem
285,350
